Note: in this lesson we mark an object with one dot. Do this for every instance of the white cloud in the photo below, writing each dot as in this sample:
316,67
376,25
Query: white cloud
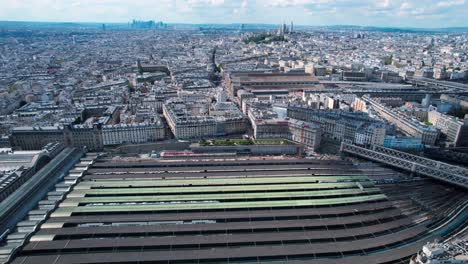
244,4
285,3
406,5
450,3
384,4
195,3
318,12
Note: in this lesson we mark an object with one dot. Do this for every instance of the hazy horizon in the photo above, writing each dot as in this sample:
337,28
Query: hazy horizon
380,13
227,24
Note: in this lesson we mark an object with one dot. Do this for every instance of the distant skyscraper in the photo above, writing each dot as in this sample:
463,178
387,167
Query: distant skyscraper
282,29
291,29
103,27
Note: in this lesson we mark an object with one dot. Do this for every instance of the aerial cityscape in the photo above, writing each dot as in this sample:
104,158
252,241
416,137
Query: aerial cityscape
233,132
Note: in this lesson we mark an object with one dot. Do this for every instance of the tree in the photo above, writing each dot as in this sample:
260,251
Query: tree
78,121
388,60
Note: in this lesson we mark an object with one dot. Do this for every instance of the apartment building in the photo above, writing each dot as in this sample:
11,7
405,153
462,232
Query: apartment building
454,129
339,126
192,119
410,127
34,138
133,133
266,125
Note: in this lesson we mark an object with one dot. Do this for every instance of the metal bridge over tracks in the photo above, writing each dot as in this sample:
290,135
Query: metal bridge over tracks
413,163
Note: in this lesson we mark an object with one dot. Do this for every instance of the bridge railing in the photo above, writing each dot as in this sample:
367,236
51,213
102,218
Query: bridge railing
422,160
413,163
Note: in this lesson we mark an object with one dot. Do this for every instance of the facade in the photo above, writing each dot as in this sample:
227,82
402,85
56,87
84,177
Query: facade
271,128
402,142
391,77
35,138
453,128
339,126
93,137
353,76
370,135
305,133
331,103
317,70
132,133
230,126
359,105
84,136
192,120
267,125
414,128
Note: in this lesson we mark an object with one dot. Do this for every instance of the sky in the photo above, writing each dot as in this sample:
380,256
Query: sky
382,13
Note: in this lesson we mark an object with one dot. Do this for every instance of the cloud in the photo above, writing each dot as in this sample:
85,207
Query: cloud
201,3
450,3
242,9
439,13
286,3
406,5
384,4
382,12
